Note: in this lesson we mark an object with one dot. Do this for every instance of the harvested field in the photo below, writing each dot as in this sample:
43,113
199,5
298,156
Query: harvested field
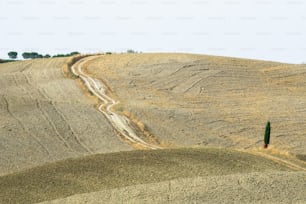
203,100
67,135
237,188
117,170
45,117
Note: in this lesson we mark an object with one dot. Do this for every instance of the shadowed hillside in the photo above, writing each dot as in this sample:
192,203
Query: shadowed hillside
115,170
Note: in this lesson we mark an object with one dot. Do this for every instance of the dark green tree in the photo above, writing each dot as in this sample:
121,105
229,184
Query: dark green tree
267,135
12,55
59,55
34,55
74,53
130,51
39,56
31,55
26,55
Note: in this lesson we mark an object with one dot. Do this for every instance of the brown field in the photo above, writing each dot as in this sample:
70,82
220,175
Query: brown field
45,117
203,100
116,170
207,113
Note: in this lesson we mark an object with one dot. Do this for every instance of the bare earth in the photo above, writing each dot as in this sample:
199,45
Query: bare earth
69,136
46,117
238,188
143,175
210,101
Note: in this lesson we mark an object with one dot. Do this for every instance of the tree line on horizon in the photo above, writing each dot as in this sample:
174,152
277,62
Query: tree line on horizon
34,55
13,55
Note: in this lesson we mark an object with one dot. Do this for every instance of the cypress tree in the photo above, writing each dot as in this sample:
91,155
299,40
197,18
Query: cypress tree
267,135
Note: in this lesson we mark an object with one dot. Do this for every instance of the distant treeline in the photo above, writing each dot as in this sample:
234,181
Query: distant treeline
5,61
34,55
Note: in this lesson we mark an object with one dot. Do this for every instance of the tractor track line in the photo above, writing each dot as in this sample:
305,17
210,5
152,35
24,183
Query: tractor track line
119,122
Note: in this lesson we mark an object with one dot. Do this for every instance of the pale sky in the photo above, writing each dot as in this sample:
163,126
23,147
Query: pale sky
258,29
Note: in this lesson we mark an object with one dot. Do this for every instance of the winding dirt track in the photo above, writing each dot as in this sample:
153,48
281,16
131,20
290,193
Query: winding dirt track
120,123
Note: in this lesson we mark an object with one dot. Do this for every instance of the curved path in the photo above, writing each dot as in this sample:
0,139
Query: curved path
278,160
120,123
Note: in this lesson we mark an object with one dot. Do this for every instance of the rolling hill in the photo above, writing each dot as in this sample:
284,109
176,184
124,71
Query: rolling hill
113,172
46,117
210,101
154,128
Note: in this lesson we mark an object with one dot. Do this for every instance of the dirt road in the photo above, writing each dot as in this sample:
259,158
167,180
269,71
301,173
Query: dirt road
120,122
